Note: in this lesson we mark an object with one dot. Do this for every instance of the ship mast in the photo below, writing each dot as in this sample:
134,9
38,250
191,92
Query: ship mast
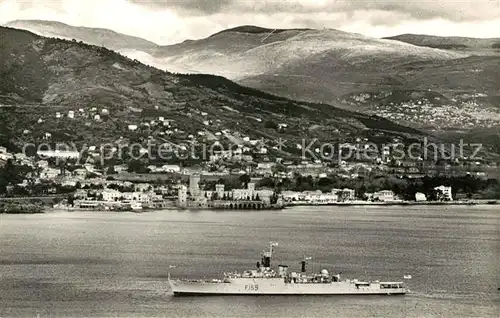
271,245
266,255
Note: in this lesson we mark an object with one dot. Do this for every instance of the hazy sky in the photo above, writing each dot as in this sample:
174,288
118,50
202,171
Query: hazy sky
171,21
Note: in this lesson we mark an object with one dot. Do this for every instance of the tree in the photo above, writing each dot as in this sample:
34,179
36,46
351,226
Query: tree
111,169
266,183
136,166
277,168
270,124
244,179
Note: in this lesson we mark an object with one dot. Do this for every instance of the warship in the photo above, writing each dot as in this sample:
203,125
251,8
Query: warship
264,280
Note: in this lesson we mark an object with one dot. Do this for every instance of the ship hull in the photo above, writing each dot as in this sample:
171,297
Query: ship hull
188,294
277,286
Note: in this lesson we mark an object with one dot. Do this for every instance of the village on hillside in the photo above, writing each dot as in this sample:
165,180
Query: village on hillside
247,176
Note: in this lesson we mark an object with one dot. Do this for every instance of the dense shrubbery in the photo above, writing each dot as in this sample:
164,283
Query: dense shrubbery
12,174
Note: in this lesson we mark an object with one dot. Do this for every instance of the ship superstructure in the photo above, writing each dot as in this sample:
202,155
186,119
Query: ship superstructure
263,280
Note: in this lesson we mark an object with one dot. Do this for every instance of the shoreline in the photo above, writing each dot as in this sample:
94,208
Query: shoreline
396,203
30,208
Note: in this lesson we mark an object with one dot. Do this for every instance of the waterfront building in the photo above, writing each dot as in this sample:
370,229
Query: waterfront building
291,196
182,196
420,197
444,193
384,195
111,195
194,185
345,194
219,189
317,197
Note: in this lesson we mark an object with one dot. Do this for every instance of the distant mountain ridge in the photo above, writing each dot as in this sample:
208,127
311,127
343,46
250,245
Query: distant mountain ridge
252,29
349,71
447,42
42,76
95,36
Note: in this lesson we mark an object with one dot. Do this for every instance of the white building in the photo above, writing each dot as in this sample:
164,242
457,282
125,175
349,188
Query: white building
182,196
219,189
291,195
111,195
265,165
121,168
4,155
419,197
171,168
242,194
49,173
194,184
345,194
142,197
80,173
58,154
142,187
317,197
384,195
43,163
444,193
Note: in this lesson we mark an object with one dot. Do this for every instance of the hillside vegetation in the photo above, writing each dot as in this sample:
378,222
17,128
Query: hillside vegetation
43,76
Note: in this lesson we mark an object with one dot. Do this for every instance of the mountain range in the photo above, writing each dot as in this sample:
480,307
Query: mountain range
95,36
408,79
449,42
41,77
307,64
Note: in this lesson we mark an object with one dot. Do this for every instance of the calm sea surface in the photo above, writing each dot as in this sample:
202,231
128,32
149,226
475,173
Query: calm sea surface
116,264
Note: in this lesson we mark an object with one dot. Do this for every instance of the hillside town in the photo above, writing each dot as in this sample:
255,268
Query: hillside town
465,111
157,164
229,180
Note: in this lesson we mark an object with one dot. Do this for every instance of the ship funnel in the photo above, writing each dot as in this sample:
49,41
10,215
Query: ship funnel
266,261
303,266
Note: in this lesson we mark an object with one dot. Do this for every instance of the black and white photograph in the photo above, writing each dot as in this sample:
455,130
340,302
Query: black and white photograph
249,158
